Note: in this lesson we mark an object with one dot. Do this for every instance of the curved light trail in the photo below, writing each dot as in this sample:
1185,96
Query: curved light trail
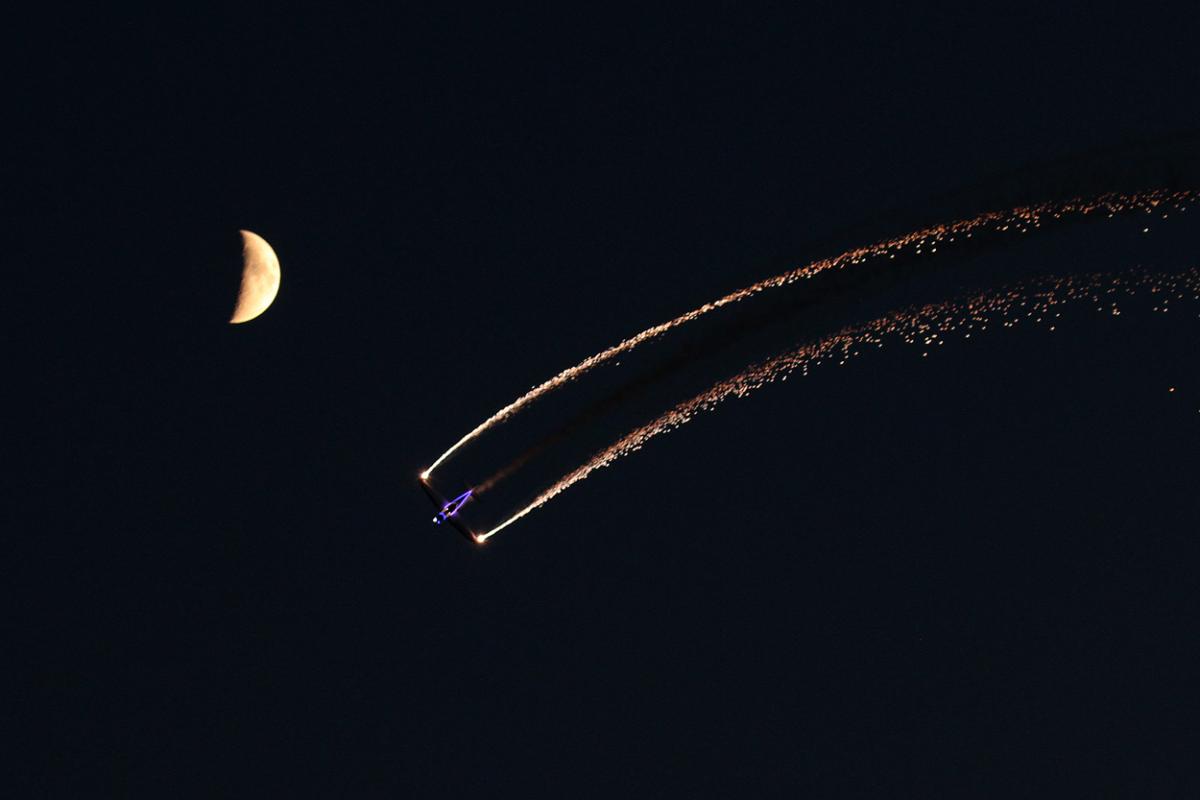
925,241
927,326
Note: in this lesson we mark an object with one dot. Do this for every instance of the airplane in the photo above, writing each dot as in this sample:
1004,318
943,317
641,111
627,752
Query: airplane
448,509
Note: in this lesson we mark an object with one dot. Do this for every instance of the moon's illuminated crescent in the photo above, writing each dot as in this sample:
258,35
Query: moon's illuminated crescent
260,278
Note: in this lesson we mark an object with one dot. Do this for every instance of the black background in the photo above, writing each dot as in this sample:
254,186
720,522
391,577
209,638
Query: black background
973,571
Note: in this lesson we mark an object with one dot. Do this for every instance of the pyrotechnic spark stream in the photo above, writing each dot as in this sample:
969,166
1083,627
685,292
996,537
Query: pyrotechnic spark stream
929,325
1019,220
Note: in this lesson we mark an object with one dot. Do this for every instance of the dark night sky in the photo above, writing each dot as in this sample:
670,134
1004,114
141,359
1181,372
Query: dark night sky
909,576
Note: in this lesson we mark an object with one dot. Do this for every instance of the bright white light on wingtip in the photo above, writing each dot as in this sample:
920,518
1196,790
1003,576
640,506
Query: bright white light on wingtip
425,475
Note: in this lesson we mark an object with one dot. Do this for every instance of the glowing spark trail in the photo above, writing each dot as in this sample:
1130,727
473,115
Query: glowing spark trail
1018,220
1033,303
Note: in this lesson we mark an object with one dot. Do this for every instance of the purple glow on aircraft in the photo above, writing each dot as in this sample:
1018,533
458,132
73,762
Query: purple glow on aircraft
453,507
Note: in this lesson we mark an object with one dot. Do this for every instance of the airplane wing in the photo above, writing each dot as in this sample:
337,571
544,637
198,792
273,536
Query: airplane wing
462,528
437,499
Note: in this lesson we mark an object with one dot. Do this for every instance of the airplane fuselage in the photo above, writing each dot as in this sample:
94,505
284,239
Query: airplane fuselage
453,507
448,510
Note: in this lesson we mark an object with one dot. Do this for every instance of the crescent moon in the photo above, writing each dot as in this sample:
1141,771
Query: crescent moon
260,278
